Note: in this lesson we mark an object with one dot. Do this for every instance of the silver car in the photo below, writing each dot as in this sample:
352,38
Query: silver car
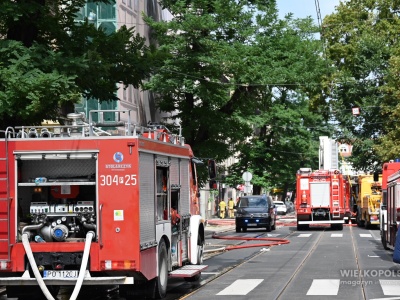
281,208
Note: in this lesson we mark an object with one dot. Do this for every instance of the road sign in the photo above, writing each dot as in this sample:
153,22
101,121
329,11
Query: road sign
247,176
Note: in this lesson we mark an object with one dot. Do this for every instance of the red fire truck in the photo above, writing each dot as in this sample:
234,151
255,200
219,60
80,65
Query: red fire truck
390,206
349,201
80,206
319,198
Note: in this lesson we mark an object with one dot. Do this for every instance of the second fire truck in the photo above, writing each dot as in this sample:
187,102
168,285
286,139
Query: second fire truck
319,198
79,206
390,208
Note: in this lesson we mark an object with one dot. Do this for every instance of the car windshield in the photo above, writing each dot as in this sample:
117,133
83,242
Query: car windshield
253,202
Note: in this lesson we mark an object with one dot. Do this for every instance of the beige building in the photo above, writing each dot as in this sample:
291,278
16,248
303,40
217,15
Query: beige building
111,17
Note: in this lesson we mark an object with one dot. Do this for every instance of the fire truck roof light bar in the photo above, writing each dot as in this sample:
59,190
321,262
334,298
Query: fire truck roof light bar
52,155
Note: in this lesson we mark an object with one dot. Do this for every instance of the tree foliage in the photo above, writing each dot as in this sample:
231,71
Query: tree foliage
239,80
362,43
48,60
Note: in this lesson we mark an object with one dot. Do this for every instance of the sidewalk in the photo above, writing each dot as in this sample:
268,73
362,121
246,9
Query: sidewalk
216,224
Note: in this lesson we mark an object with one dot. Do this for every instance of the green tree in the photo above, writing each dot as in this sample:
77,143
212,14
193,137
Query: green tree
233,70
48,60
362,43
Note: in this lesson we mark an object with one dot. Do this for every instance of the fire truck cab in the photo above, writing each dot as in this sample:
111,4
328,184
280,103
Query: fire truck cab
319,198
80,206
390,206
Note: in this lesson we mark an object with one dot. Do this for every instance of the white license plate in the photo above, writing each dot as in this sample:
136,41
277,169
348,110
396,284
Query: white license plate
60,274
251,224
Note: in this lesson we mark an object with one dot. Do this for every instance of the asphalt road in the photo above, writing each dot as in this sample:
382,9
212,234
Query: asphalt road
319,263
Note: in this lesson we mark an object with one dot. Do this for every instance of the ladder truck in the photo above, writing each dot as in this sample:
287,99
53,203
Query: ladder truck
82,206
319,198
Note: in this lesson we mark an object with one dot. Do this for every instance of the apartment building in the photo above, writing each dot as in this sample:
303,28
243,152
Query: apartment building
111,17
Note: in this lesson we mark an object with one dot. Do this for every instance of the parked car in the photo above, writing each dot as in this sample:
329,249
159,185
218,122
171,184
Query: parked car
255,212
281,208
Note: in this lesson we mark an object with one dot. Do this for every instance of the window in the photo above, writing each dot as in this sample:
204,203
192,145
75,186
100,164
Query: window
162,193
343,148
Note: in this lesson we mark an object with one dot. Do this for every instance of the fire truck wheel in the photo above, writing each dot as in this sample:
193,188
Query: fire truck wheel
383,236
337,226
303,226
159,284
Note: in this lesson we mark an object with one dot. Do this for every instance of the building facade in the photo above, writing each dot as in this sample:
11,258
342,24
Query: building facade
111,17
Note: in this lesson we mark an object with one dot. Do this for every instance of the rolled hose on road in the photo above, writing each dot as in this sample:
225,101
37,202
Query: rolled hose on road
272,242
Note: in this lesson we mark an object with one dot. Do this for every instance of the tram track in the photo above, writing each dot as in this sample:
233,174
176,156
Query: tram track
231,268
357,263
300,266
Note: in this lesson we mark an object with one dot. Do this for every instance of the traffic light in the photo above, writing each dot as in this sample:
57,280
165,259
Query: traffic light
212,169
213,184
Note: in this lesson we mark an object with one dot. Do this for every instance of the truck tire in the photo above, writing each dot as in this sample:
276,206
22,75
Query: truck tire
269,227
303,227
158,286
238,229
368,225
383,236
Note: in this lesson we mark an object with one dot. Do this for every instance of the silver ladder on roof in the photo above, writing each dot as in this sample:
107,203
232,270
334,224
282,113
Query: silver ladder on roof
5,241
97,131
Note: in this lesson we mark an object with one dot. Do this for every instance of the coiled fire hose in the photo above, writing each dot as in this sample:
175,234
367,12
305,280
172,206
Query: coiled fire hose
42,285
271,242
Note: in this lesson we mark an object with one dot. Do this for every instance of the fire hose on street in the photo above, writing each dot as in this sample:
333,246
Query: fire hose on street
267,242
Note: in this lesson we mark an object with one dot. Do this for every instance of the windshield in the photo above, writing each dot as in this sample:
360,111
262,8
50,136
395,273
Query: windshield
278,203
253,202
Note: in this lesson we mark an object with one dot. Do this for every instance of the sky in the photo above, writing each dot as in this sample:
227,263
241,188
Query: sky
305,8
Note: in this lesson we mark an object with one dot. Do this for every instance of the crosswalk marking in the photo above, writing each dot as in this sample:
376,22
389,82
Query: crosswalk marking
319,287
324,287
304,235
241,287
337,235
273,234
390,287
365,235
